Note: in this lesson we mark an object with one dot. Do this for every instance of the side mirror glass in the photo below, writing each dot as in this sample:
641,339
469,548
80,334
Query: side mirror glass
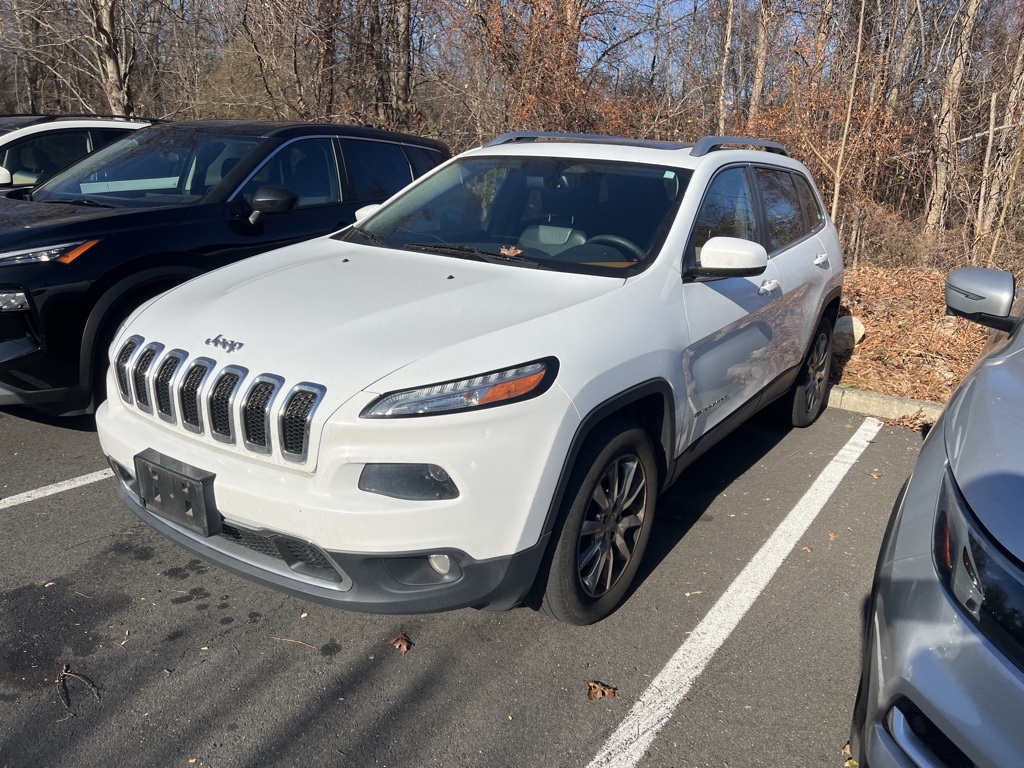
982,296
6,180
366,211
731,257
271,198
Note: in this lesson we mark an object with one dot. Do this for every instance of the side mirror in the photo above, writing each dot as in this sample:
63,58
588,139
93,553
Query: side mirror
732,257
271,198
6,180
983,296
366,210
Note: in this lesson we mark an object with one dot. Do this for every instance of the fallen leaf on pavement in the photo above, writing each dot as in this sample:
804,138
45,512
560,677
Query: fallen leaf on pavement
832,535
806,549
401,641
597,690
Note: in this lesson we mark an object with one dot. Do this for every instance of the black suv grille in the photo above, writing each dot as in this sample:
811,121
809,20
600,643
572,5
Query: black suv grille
266,420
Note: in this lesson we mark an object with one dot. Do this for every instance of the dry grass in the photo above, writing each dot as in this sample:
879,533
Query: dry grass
911,348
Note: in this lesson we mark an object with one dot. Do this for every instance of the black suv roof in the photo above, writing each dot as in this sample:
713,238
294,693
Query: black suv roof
289,130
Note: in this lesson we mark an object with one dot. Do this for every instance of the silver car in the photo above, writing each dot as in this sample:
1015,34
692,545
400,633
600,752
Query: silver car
943,674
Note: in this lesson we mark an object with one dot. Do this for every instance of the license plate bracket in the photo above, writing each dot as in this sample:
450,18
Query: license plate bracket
178,492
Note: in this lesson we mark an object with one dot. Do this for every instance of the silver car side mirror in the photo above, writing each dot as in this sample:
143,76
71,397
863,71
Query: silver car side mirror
983,296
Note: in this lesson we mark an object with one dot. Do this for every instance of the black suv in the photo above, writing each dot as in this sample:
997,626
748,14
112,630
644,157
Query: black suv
79,252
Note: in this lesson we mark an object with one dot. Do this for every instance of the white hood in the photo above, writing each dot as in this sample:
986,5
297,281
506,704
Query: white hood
344,315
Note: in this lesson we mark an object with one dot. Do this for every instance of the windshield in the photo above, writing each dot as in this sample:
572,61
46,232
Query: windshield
568,214
149,168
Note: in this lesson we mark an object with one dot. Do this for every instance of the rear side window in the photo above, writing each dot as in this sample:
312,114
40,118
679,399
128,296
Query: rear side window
784,220
422,160
815,216
376,170
727,210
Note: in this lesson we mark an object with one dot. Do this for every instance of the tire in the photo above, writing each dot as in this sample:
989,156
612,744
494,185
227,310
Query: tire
807,398
587,573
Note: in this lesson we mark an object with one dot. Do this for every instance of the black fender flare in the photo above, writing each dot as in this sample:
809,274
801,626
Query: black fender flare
664,445
114,296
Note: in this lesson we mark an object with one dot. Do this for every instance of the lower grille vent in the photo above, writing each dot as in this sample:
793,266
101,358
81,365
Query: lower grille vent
294,552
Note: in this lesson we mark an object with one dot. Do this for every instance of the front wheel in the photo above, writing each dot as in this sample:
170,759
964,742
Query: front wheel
811,387
606,521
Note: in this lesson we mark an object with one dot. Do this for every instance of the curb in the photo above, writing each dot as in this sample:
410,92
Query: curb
880,406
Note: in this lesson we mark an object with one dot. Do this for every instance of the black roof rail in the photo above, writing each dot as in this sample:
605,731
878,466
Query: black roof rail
591,138
713,143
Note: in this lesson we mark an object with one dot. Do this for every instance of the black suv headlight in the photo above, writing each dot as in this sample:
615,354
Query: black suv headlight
986,582
63,252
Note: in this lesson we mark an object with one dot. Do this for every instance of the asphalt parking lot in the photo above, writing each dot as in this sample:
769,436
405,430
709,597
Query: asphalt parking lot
739,647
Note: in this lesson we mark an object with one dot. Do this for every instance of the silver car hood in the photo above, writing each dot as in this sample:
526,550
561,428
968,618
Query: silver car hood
983,431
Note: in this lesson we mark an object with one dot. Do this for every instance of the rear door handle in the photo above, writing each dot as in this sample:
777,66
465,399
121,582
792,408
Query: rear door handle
821,258
768,286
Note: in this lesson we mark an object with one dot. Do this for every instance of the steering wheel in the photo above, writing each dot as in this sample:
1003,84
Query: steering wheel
621,243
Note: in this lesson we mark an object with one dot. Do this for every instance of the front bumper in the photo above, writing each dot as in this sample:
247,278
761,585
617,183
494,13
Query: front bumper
372,583
936,693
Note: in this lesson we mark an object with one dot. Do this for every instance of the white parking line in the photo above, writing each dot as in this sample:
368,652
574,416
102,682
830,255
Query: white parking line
627,745
50,490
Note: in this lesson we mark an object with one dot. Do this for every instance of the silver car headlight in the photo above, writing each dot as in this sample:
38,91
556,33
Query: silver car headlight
986,583
62,252
510,385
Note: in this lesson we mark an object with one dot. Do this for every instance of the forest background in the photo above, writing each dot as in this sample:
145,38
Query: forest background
909,113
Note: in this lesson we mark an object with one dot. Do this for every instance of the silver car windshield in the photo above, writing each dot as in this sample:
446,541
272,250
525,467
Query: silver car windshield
568,214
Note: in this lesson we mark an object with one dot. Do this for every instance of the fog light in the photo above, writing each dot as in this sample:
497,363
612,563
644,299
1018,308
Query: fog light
413,482
13,301
440,563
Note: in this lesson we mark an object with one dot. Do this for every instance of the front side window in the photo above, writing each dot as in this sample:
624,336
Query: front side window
591,216
150,168
726,211
308,167
783,218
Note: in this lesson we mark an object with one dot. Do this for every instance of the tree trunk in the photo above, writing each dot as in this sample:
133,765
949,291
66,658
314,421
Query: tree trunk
725,69
108,25
764,18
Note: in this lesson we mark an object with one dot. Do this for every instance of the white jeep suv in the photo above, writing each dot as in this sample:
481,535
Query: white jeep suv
474,395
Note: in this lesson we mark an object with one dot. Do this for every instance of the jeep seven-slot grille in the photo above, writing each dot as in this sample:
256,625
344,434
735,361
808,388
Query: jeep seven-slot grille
220,404
190,395
268,423
255,410
163,384
139,377
122,368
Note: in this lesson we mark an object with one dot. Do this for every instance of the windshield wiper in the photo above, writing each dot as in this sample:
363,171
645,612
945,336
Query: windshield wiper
375,239
82,201
476,254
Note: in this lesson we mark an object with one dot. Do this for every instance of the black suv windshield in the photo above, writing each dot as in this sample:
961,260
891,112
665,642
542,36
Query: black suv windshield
569,214
149,169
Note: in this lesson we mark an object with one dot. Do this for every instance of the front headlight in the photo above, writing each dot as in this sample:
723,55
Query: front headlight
510,385
63,252
983,580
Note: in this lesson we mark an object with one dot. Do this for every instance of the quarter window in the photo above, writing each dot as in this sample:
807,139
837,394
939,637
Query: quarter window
783,218
815,216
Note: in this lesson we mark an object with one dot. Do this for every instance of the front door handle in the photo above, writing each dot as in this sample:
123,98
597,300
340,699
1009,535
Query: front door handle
768,286
821,258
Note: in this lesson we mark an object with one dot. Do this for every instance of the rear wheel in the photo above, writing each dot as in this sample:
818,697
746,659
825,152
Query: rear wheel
807,398
606,522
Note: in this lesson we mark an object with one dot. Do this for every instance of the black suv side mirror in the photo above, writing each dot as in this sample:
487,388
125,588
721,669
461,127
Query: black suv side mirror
271,198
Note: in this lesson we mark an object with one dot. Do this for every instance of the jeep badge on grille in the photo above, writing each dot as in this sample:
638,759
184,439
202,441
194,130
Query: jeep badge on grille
228,345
